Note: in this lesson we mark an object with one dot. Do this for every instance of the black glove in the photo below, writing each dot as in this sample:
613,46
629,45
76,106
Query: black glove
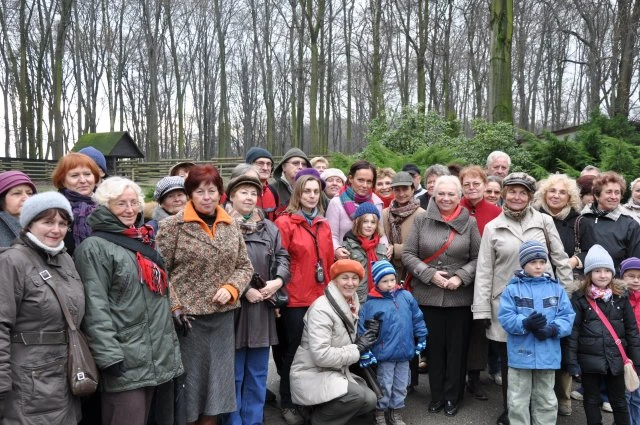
366,340
182,320
573,369
549,331
486,323
374,324
117,369
534,321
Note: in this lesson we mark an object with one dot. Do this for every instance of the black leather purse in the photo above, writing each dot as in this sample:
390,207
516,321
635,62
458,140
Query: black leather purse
279,299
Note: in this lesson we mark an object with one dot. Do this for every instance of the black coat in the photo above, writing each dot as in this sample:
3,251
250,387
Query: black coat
566,230
591,345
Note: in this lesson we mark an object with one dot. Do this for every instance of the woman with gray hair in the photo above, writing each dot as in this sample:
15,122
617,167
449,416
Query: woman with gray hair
441,254
632,207
128,317
430,176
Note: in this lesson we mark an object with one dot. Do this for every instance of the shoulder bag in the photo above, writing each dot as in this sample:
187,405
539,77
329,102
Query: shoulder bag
279,299
81,368
631,381
443,248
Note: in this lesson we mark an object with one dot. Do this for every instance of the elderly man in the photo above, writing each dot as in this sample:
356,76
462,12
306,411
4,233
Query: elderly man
590,170
262,162
293,161
498,164
417,179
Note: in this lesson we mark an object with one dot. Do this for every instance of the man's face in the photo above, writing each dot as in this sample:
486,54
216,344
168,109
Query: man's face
292,166
263,166
499,167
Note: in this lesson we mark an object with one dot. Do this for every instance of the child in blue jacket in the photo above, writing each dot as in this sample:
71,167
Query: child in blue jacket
535,311
401,324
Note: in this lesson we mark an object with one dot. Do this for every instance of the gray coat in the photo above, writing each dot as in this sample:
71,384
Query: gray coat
356,252
9,229
33,378
430,232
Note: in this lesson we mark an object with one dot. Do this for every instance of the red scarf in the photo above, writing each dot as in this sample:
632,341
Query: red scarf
369,246
386,200
453,215
148,272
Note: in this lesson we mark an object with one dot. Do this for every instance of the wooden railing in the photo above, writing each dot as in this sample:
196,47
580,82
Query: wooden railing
36,169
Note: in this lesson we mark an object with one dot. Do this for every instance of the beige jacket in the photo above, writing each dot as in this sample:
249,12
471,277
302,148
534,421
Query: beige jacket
498,259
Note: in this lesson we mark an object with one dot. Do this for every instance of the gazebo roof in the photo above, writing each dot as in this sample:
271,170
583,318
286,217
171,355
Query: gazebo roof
116,145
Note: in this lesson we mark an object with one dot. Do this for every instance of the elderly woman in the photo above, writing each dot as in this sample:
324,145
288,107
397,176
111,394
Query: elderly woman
255,321
335,180
632,207
430,176
33,343
76,176
306,235
15,188
383,185
498,259
320,373
493,190
128,317
359,189
441,253
170,196
209,269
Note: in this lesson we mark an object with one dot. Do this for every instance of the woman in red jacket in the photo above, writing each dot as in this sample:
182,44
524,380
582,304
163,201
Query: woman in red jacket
306,235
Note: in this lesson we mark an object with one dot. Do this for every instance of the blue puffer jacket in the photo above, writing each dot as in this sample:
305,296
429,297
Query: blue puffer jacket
402,324
522,295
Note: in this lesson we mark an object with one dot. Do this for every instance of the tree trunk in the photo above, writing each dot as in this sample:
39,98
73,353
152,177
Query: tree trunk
500,80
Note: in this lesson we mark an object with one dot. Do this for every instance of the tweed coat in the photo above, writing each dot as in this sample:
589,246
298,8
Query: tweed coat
405,228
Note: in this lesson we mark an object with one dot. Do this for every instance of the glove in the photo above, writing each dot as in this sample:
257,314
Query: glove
366,340
534,321
375,323
182,320
420,347
486,322
573,369
367,359
549,331
117,369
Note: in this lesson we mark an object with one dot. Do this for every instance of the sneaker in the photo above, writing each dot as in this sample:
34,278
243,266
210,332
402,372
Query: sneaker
497,378
291,416
395,418
577,395
606,407
564,410
380,418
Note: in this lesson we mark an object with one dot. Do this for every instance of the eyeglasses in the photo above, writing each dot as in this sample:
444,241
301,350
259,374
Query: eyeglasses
469,185
263,164
298,163
123,205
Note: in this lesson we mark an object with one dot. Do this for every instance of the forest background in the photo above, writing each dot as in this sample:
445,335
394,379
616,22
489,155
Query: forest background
424,80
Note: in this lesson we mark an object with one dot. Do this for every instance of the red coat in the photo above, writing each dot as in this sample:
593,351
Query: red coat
297,239
483,212
634,299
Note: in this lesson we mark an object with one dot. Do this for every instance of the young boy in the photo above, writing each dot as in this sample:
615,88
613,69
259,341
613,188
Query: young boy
535,311
630,274
401,324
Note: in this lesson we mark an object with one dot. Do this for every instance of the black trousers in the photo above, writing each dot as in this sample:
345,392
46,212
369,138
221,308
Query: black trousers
504,370
292,325
615,391
448,343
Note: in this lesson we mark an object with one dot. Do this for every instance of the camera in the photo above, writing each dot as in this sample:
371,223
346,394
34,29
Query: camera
319,272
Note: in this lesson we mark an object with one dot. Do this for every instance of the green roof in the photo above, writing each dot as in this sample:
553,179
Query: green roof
117,144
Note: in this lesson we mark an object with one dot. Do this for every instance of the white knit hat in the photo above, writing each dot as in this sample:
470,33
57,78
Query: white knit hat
42,202
598,257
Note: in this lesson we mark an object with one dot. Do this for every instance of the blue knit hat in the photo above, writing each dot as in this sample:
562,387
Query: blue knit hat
256,152
97,156
380,269
366,208
532,250
598,257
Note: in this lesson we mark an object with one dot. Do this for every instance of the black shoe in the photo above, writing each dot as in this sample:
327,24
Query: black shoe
450,408
270,396
503,419
436,406
474,387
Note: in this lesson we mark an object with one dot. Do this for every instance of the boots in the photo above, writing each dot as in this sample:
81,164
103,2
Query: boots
474,387
395,418
380,418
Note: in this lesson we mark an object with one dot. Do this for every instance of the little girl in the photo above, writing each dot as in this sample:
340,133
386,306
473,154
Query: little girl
363,243
592,350
630,274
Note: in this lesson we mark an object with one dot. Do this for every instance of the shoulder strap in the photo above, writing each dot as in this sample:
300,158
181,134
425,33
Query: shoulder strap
442,249
132,245
334,304
576,236
607,325
315,240
46,276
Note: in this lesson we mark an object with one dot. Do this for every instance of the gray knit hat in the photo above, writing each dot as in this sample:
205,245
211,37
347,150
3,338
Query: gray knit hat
598,257
42,202
166,185
291,153
532,250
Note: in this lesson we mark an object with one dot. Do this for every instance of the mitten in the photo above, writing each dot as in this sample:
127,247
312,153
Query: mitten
420,347
367,359
534,321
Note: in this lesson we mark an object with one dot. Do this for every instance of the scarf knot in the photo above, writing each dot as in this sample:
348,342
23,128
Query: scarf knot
369,246
351,200
599,293
82,207
154,276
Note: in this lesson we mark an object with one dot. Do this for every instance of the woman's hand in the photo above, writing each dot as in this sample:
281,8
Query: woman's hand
254,296
271,287
453,283
222,296
574,262
341,253
440,278
389,253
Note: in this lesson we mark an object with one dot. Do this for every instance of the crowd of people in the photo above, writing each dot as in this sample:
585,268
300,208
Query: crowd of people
353,283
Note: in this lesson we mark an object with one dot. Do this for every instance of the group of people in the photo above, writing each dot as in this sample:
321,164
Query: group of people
354,283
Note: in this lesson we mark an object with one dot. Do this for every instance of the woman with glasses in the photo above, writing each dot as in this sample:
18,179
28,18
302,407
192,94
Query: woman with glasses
128,316
207,263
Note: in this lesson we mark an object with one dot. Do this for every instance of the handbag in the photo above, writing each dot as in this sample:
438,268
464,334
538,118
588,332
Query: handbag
631,381
81,368
279,299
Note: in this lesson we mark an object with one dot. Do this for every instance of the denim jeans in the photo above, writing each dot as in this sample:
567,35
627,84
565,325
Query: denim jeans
393,378
633,400
252,366
531,398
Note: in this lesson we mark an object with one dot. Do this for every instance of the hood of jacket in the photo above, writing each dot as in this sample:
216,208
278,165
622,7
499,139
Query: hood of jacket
291,153
102,219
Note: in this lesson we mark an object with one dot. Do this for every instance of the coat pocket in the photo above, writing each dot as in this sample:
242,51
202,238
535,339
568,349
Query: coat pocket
44,388
135,345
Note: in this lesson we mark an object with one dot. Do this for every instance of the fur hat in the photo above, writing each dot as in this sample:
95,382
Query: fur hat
42,202
532,250
14,178
380,269
366,208
346,266
598,257
166,185
256,152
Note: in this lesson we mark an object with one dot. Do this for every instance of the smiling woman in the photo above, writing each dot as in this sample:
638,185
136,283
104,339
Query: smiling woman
15,188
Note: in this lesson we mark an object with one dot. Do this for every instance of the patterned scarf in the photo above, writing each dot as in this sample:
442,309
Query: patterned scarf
369,246
397,216
515,215
597,293
250,224
309,216
82,207
350,200
597,211
148,272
